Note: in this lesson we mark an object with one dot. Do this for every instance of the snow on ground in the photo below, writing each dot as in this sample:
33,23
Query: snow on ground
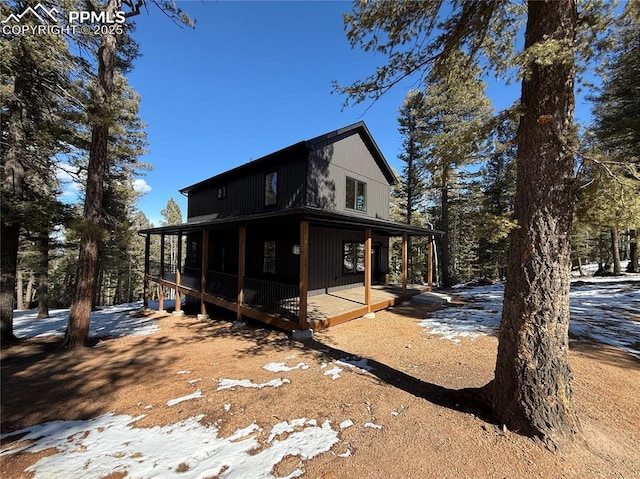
109,322
110,444
246,383
602,310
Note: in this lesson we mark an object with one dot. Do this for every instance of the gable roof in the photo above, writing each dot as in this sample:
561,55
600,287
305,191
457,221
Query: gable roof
304,146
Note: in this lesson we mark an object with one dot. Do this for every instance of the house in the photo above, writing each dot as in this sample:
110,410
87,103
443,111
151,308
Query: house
297,239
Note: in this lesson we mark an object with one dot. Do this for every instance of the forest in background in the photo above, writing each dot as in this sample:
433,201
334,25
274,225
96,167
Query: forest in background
458,174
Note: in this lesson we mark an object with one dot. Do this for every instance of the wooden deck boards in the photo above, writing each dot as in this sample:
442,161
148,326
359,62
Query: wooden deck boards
323,310
324,307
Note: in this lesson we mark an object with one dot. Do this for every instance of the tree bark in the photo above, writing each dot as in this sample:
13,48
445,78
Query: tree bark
532,391
43,277
615,251
19,291
77,333
446,268
28,294
9,238
632,267
10,219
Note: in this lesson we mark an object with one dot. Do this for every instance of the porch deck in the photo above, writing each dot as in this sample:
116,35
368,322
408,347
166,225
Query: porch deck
323,310
329,309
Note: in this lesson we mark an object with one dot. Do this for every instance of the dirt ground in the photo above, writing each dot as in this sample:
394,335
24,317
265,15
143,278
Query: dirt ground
411,392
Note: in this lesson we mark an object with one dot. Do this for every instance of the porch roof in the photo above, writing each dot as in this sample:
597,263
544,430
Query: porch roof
315,216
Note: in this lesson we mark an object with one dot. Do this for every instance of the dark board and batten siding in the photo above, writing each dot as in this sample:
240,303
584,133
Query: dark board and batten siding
245,194
329,167
326,254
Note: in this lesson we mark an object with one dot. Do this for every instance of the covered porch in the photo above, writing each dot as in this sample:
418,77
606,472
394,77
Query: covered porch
287,305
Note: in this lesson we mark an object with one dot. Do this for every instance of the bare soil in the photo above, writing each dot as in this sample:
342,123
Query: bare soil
429,429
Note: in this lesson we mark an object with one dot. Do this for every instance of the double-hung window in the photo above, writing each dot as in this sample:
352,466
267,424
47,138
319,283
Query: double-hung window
356,195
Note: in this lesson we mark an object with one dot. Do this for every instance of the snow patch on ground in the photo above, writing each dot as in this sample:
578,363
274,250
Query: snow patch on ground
602,310
282,367
246,383
109,322
195,395
110,444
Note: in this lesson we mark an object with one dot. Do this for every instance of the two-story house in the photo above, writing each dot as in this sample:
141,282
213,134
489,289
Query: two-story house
298,238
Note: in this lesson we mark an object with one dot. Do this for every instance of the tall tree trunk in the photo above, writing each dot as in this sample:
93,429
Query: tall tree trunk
632,267
12,190
9,240
77,333
19,291
446,267
615,250
43,277
28,294
532,392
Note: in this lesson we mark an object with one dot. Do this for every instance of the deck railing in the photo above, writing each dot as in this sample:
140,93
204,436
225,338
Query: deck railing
278,299
222,284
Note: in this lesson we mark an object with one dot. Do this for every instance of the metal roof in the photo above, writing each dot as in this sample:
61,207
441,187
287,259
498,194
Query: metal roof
315,216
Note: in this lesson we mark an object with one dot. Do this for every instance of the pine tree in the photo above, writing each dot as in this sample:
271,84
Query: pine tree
409,195
455,112
615,177
496,216
101,119
35,72
531,391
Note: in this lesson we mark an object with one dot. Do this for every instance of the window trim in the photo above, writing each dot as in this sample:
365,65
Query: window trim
194,249
266,258
275,199
356,184
222,192
357,246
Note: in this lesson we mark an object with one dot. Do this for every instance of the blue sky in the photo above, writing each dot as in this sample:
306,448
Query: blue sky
250,79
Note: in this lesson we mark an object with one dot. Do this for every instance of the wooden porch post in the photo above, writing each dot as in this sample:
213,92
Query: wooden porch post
430,264
242,242
178,308
203,274
160,287
303,286
367,269
147,252
404,264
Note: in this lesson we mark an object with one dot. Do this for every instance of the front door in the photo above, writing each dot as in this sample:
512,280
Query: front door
375,263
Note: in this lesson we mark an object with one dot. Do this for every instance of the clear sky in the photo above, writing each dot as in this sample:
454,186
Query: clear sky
250,79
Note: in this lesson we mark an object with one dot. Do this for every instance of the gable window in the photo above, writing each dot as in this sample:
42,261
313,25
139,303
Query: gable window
269,262
222,192
352,257
356,195
271,188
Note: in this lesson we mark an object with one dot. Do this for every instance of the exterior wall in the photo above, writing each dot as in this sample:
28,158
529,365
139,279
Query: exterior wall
245,193
329,167
223,251
326,272
326,256
287,263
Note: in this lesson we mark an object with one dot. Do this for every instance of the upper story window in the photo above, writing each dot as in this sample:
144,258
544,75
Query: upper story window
356,195
222,192
271,188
